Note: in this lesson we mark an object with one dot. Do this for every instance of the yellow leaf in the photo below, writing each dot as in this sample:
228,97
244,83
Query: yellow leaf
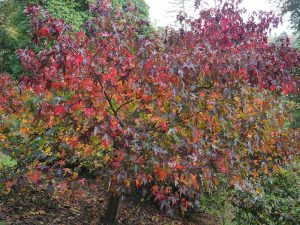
237,99
75,175
48,151
127,182
257,190
106,158
2,137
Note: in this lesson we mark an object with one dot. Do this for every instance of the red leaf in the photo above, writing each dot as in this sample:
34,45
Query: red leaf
159,196
163,125
88,112
104,142
272,88
288,88
78,60
59,110
43,32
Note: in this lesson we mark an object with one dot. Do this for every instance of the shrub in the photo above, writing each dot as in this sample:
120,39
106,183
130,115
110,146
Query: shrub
276,200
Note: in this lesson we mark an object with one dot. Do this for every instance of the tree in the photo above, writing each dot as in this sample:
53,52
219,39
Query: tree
293,8
142,7
179,8
168,117
13,28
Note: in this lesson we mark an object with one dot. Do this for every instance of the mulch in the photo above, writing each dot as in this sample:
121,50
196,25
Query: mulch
82,208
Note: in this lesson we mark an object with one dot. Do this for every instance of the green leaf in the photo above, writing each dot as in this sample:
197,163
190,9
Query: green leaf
6,161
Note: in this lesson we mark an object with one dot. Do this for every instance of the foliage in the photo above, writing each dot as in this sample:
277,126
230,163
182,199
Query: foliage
6,162
296,119
141,6
218,204
171,116
293,8
13,28
14,25
72,12
276,200
179,6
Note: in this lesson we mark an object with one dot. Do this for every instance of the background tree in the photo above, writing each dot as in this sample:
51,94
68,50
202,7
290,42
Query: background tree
291,7
179,8
142,7
13,28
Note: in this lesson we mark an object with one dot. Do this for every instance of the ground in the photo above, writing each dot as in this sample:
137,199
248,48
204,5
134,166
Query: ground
84,208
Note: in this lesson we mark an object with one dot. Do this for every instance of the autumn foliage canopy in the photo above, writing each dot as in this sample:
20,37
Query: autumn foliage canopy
173,114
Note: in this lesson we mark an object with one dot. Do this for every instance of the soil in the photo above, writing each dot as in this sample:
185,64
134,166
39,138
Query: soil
82,208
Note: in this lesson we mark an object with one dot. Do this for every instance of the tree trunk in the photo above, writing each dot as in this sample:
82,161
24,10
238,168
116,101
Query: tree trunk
113,208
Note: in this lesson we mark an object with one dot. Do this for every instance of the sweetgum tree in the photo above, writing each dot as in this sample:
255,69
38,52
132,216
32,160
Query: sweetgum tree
170,115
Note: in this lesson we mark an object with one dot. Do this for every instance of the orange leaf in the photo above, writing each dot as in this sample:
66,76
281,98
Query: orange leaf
34,176
8,185
255,174
155,189
138,183
194,179
51,121
162,174
179,167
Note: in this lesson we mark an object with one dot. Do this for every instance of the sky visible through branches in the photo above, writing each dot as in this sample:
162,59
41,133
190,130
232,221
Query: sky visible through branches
160,16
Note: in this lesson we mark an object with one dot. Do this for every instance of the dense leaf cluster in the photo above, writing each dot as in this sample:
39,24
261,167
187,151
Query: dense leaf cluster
15,26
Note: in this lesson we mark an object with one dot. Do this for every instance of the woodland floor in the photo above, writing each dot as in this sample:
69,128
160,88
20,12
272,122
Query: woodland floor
39,208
